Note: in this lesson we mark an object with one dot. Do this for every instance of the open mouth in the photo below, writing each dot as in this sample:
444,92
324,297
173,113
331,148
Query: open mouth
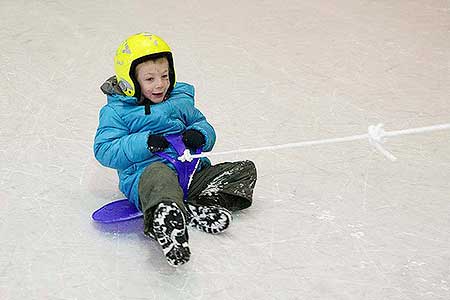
157,95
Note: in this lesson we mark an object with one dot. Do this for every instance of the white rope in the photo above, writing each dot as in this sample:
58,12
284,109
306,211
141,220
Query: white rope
376,136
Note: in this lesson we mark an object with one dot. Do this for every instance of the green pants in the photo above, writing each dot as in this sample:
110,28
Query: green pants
228,184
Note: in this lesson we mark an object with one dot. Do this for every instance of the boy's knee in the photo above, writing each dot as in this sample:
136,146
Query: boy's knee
160,169
159,181
251,165
250,168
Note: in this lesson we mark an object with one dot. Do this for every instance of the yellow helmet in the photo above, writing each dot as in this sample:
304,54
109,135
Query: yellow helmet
135,50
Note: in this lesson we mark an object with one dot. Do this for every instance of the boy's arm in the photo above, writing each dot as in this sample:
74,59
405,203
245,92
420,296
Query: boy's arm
114,146
196,120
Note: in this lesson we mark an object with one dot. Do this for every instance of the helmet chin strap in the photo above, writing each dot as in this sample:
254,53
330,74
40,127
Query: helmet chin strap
147,102
147,106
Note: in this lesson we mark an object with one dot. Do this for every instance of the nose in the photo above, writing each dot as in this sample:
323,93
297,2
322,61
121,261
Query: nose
159,82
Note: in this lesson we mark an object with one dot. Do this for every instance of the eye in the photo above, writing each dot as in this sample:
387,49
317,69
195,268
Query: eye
165,76
149,79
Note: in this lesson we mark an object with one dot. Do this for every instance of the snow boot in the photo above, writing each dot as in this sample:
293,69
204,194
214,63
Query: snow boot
169,227
210,219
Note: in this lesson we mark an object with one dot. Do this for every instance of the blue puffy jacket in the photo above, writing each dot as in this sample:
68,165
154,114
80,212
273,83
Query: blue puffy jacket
121,139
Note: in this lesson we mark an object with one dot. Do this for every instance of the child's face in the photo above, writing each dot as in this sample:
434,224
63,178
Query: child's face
153,77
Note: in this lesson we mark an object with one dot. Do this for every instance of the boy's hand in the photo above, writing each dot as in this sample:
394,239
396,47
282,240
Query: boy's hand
193,139
157,142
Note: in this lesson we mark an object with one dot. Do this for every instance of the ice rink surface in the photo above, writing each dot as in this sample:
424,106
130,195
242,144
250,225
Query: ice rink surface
337,221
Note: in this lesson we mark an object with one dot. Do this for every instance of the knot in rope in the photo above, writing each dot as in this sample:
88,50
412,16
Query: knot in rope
187,156
376,135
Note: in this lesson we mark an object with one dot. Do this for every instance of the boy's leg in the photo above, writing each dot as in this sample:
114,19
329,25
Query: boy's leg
229,185
158,183
161,199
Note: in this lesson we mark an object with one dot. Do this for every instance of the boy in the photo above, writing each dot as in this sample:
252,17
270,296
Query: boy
145,106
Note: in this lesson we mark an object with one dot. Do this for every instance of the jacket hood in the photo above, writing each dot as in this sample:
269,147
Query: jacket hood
111,89
110,86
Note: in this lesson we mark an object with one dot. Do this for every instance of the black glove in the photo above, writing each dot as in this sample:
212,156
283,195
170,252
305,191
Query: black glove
156,143
193,139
